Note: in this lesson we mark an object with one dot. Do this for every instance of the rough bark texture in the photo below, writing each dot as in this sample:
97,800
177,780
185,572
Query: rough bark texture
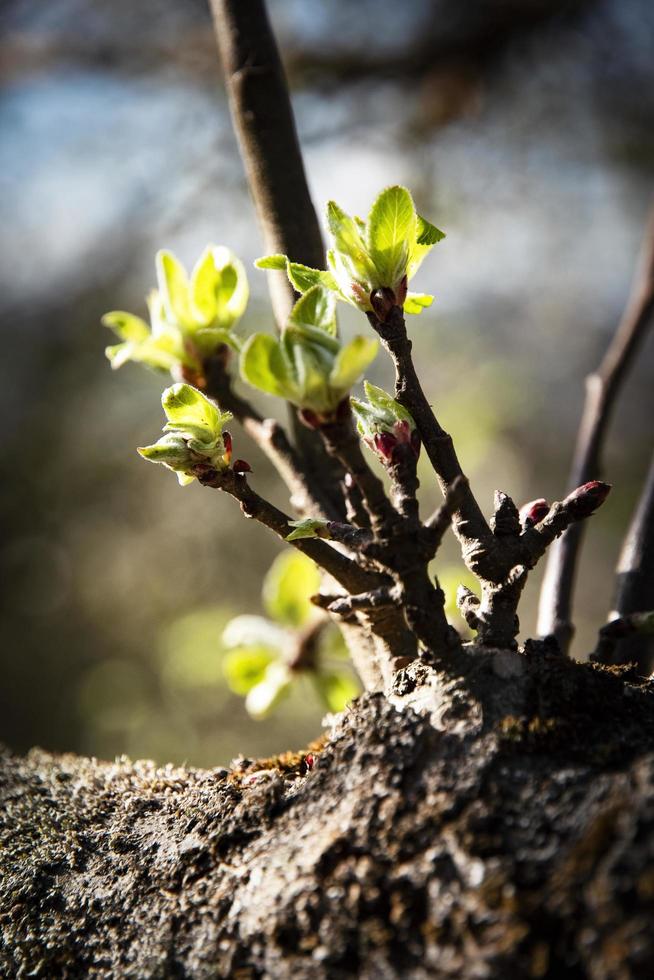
499,823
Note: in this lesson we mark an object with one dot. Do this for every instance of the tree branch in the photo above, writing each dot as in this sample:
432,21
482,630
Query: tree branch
602,389
343,444
635,577
346,572
468,522
263,120
271,438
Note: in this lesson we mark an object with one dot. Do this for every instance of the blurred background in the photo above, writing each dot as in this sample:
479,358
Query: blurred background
525,129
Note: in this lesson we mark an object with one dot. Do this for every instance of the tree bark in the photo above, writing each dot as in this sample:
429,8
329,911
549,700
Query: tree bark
496,823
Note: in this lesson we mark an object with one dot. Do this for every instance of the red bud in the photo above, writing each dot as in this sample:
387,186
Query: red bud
227,440
240,466
385,443
382,301
309,760
309,418
585,500
534,512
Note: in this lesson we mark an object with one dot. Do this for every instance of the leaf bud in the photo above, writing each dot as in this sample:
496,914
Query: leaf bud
585,500
534,512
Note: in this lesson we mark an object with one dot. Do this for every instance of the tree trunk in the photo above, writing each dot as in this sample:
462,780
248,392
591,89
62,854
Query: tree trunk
499,823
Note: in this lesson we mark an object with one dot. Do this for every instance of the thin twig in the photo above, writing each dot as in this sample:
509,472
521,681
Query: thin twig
602,389
342,443
271,438
635,578
469,523
346,572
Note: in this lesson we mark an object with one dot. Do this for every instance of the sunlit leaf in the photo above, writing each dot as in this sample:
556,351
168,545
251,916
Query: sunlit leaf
391,231
246,667
289,583
275,685
173,288
188,410
416,302
263,365
351,362
308,527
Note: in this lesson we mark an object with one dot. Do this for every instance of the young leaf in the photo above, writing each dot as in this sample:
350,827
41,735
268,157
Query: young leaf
246,667
428,234
287,587
187,410
317,308
276,261
266,695
308,527
263,365
173,288
301,277
351,362
126,325
417,302
391,230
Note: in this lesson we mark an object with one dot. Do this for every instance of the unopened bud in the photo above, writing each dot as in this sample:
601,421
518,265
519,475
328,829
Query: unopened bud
401,291
585,500
534,512
382,301
240,466
227,440
309,418
385,444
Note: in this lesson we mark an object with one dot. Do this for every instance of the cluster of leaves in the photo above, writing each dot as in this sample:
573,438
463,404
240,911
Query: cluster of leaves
383,252
189,318
195,440
293,645
307,365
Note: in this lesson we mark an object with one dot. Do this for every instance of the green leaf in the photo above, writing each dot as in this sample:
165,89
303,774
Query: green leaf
349,244
336,688
126,325
248,631
428,234
287,587
246,667
308,527
219,288
301,277
173,288
386,405
417,302
189,411
276,261
172,451
263,365
204,283
351,362
264,697
317,308
391,232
